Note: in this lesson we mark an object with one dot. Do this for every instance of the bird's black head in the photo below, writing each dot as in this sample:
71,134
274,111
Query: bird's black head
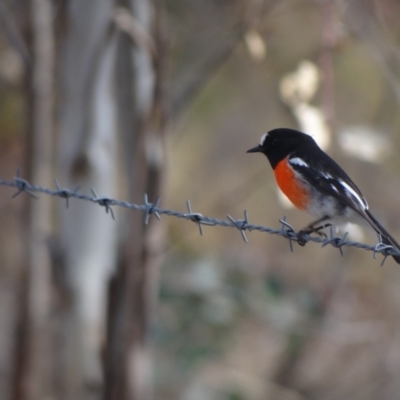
279,143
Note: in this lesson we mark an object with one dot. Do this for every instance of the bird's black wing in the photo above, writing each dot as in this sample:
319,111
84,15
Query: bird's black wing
328,177
325,175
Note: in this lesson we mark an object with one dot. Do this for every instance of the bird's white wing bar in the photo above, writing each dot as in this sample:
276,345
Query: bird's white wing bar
352,193
335,188
298,161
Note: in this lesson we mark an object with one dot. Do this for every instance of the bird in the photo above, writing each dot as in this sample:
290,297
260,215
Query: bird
316,184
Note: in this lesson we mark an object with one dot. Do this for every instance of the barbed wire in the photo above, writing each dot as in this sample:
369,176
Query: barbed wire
243,225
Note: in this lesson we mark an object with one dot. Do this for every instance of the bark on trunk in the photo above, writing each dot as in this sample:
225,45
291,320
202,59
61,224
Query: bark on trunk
89,159
133,293
34,372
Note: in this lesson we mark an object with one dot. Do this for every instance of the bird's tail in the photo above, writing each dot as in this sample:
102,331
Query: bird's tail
385,235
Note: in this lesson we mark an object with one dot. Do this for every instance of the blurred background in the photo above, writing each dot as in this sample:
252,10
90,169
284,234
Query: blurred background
164,97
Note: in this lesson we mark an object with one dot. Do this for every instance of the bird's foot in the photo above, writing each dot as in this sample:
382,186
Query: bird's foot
301,238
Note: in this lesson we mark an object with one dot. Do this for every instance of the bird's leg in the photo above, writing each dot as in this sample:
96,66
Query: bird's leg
317,229
310,228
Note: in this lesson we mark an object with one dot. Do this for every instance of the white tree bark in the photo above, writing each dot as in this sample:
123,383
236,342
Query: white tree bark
89,159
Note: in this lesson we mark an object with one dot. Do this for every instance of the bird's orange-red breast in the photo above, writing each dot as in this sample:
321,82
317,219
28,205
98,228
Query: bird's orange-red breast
294,189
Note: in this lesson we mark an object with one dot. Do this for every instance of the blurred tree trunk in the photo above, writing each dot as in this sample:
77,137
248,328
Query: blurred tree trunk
112,89
33,375
88,158
142,116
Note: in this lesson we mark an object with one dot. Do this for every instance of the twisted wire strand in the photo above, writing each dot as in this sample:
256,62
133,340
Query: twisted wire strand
243,225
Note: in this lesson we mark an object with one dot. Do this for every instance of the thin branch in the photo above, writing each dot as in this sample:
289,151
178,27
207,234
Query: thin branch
128,24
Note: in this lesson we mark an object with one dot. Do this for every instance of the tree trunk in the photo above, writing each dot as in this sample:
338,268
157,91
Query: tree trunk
133,293
34,371
89,159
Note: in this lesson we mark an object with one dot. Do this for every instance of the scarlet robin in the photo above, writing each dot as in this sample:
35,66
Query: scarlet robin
316,184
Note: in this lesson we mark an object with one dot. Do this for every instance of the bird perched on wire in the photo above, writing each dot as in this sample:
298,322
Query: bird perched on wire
316,184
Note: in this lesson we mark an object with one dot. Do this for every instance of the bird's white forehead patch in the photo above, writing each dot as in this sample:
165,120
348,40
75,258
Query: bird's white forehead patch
263,137
298,161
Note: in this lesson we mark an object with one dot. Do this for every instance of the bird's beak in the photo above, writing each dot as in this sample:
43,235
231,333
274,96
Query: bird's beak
257,149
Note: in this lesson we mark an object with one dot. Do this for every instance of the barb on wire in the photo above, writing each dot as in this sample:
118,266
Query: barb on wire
196,217
335,241
105,202
150,208
286,230
382,248
241,224
65,193
23,186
